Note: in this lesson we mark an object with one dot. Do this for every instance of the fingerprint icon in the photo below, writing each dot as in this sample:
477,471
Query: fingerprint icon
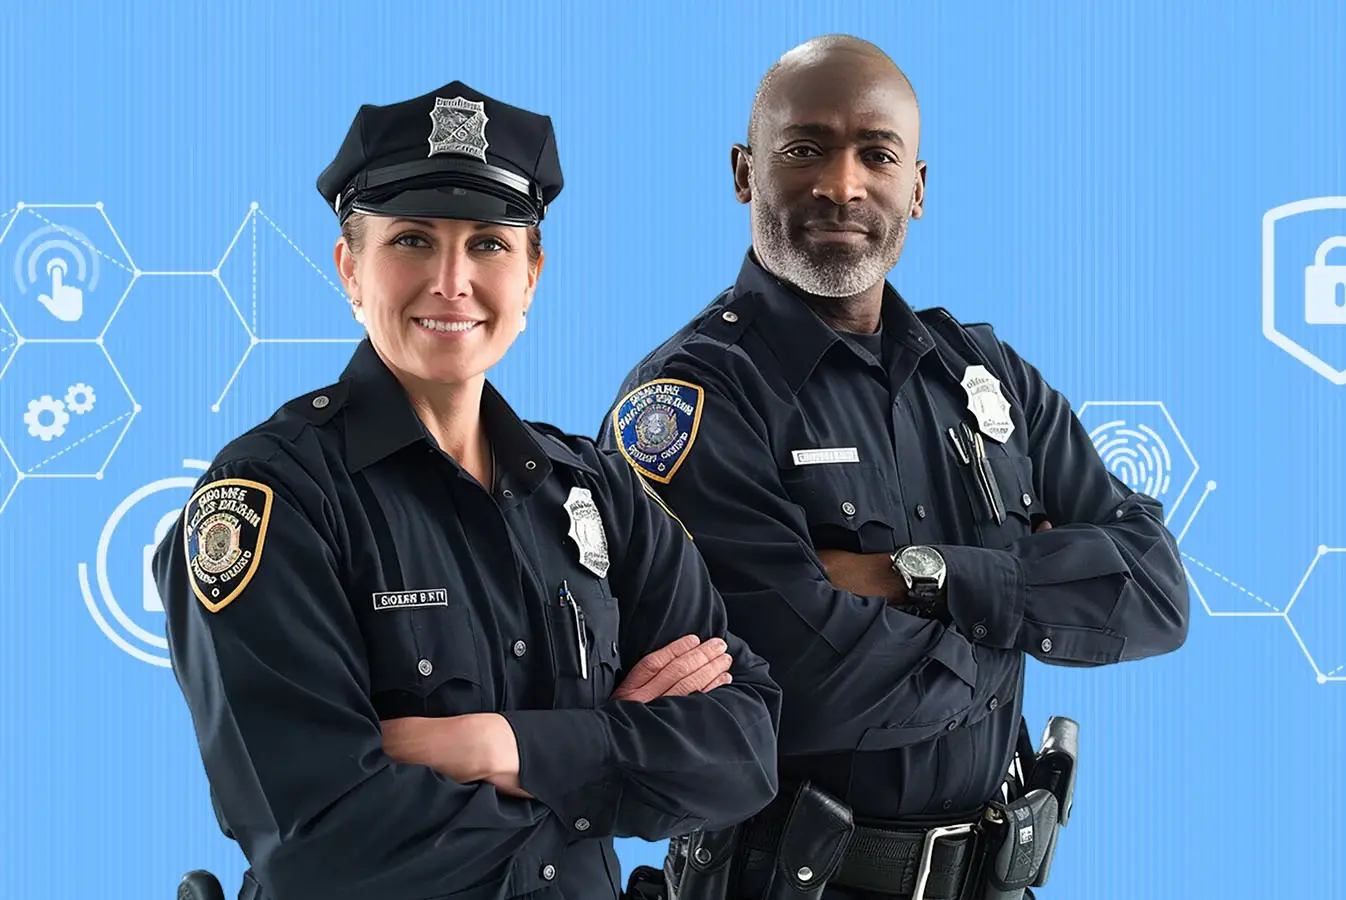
1136,454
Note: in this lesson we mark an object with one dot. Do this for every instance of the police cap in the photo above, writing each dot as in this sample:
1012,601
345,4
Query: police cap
453,153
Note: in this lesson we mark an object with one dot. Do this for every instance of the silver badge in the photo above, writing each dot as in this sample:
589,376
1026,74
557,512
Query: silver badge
987,402
586,530
459,127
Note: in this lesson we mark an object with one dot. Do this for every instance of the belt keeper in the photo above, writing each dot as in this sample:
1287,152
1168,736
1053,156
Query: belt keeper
812,845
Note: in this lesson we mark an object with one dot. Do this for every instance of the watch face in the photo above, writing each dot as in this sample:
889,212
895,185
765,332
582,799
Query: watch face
922,562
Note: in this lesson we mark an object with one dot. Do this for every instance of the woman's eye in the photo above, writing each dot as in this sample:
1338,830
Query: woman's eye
410,240
494,245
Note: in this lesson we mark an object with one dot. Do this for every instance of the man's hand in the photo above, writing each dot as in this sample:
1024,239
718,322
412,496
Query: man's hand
682,667
468,748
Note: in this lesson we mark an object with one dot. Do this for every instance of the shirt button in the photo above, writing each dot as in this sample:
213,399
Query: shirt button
979,630
1027,499
952,726
520,648
614,648
729,315
530,465
702,855
992,703
424,667
920,511
548,872
947,804
848,508
581,824
320,402
507,493
1046,645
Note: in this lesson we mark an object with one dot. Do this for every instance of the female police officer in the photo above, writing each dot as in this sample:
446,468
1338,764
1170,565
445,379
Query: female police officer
399,614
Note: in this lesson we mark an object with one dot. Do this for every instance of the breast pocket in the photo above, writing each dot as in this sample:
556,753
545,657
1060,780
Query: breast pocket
848,506
424,662
1020,505
585,629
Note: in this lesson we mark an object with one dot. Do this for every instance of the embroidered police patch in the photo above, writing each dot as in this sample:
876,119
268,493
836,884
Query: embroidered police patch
656,425
225,527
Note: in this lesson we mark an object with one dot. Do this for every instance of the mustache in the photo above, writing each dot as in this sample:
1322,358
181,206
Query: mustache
841,217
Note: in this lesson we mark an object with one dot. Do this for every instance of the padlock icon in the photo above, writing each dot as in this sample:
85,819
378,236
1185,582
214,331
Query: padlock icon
1325,287
149,591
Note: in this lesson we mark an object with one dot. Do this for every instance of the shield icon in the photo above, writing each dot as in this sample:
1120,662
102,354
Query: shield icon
1270,330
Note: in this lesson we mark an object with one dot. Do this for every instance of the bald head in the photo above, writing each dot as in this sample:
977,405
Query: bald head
831,168
814,57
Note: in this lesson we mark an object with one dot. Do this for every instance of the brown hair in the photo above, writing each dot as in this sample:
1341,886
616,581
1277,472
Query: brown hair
353,230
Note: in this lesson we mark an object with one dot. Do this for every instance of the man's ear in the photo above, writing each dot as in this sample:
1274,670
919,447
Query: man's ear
740,159
918,192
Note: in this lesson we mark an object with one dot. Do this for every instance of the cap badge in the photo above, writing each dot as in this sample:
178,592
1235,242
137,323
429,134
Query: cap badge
459,126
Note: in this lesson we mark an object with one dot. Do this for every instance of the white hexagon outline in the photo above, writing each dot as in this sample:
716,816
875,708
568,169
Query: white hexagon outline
136,409
254,210
215,276
13,217
1196,467
1269,330
18,477
1323,677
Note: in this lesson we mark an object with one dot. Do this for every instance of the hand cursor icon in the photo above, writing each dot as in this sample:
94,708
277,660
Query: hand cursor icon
65,303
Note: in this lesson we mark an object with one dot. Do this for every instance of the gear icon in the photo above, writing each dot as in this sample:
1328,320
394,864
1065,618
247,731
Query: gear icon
33,418
80,398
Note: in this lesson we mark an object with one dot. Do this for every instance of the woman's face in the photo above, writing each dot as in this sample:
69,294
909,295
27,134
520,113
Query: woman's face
442,299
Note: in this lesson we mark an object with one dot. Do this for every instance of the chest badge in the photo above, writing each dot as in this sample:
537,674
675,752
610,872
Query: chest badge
987,402
586,530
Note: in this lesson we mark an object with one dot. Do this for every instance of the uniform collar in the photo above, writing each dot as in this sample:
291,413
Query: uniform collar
796,334
381,421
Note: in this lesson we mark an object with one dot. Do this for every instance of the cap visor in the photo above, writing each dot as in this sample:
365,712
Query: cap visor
448,202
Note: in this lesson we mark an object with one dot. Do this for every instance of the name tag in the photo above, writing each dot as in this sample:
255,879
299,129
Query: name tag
411,599
825,455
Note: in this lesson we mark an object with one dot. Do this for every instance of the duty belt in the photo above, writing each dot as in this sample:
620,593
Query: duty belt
923,864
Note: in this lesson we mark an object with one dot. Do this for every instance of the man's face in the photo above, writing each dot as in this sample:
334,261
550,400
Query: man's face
833,177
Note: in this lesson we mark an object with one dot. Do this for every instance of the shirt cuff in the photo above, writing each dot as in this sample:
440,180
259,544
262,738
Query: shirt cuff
564,761
986,594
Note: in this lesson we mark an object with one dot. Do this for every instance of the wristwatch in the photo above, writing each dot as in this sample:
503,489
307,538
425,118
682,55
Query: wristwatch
922,568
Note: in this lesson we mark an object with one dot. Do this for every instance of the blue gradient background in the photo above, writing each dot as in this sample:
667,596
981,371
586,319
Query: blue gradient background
1098,180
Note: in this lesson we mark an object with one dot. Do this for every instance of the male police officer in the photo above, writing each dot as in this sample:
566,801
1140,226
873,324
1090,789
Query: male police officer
897,507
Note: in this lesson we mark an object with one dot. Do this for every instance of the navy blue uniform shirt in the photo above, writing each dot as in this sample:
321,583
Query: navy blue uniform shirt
343,570
772,436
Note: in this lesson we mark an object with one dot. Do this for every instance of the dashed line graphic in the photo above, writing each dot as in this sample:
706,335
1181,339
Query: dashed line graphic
1235,585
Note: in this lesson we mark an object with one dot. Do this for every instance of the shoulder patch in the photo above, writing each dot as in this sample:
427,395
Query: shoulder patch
664,506
224,528
656,425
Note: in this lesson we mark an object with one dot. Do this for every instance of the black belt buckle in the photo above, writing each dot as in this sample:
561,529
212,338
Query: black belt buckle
933,836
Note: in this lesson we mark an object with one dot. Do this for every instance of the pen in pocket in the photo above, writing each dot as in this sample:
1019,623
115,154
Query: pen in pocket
581,632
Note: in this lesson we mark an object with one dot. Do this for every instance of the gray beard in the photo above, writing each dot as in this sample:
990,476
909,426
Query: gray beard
842,273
